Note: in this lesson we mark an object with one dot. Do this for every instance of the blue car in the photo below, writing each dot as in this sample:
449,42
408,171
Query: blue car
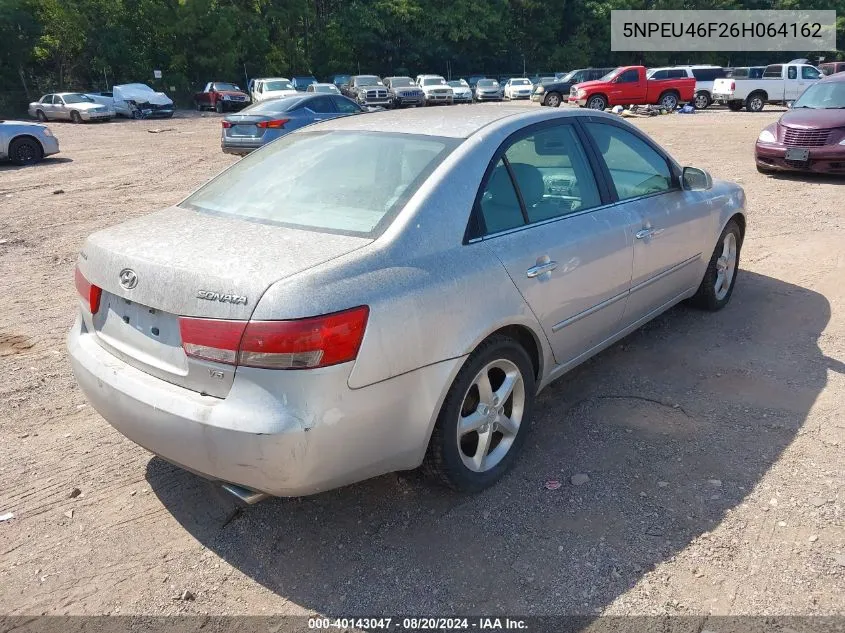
268,120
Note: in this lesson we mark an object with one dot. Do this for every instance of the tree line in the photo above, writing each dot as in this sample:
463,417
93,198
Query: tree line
51,45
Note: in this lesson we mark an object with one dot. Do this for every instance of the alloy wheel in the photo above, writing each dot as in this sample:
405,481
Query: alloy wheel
725,266
490,415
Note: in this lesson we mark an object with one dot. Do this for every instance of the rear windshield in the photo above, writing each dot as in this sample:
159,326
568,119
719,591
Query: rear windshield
373,174
270,106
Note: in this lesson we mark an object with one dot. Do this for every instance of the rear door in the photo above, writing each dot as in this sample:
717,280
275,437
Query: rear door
542,213
673,223
60,110
47,106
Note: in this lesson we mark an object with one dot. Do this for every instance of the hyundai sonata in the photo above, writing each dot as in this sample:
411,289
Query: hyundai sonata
371,294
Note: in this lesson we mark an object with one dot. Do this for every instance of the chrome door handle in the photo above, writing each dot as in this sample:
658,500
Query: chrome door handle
539,269
644,233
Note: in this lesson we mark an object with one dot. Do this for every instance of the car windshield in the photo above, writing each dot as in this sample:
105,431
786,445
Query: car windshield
546,80
568,76
520,82
367,80
373,176
272,106
401,82
487,83
270,86
611,74
324,88
434,81
226,86
305,81
460,83
827,95
75,97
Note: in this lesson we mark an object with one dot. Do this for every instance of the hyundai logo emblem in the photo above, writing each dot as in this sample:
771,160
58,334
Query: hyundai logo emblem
128,278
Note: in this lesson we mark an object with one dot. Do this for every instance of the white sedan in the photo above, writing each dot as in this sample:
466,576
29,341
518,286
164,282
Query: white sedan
69,106
519,88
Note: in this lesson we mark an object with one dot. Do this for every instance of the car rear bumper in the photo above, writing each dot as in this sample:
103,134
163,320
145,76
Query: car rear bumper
488,97
285,433
828,159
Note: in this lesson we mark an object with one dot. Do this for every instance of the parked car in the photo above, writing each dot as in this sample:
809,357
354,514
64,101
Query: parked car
135,101
301,82
436,90
403,92
70,106
518,88
831,68
473,80
780,84
270,88
221,96
556,92
25,142
461,92
270,119
810,137
704,78
367,90
628,85
745,72
287,333
487,90
324,88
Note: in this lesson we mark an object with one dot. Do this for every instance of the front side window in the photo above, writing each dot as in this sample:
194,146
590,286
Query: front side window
320,105
636,169
345,105
808,72
47,99
373,174
628,77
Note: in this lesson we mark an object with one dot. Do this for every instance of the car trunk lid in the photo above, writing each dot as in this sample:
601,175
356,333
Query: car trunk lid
179,262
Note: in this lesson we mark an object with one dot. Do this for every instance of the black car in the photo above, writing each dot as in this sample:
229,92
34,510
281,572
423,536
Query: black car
403,92
301,82
554,93
366,90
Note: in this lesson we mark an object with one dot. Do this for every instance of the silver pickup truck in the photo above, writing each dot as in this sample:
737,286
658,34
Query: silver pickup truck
780,84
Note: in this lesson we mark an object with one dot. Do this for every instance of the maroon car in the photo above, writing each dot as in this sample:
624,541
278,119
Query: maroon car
811,136
221,96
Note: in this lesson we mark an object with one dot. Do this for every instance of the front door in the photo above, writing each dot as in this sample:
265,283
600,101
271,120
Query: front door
628,87
569,256
668,242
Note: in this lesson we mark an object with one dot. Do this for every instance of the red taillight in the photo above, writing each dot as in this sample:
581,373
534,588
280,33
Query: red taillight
226,124
90,293
733,85
275,123
301,344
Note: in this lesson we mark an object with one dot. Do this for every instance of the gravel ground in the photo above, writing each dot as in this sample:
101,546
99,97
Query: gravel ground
707,447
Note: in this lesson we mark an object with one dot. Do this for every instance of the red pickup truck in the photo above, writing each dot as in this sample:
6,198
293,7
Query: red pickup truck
627,85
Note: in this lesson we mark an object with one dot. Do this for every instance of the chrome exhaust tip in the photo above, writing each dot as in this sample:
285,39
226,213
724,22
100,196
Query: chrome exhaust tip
247,496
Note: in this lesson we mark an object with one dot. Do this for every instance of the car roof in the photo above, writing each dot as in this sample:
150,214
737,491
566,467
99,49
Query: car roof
271,79
840,76
453,123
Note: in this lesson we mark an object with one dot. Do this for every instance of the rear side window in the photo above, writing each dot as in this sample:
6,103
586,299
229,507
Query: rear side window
320,105
792,72
677,73
660,74
552,175
708,74
636,169
773,72
345,105
373,175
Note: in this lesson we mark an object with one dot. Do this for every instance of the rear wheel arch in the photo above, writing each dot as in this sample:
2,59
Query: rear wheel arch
528,340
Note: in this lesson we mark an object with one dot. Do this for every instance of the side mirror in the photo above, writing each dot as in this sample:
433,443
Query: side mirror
694,179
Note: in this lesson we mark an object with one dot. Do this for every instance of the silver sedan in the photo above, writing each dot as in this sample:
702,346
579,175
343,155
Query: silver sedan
69,106
25,142
377,293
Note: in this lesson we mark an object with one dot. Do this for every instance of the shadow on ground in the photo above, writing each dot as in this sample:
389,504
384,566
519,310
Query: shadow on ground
45,162
654,421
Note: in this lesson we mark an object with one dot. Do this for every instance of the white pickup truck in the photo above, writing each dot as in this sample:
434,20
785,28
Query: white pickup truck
780,84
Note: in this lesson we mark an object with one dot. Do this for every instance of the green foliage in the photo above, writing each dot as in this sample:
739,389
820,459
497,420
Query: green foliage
65,44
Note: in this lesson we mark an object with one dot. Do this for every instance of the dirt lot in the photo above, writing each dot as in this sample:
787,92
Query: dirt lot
713,442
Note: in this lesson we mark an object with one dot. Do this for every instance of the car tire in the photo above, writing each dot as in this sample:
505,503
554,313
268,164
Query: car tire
25,151
717,286
75,117
456,456
39,114
755,102
597,102
701,101
765,170
735,106
219,107
669,100
553,100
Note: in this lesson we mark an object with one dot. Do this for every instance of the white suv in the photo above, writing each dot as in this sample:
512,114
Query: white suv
435,89
704,78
